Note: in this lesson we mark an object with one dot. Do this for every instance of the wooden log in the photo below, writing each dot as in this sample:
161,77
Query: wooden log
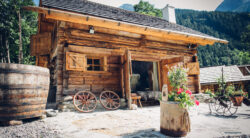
23,91
122,26
154,50
174,120
127,78
104,37
122,76
159,75
94,51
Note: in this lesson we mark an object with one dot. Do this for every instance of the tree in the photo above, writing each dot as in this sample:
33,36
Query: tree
148,9
9,30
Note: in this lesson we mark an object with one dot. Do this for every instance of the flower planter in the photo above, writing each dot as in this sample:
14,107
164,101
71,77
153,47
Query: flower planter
237,100
174,120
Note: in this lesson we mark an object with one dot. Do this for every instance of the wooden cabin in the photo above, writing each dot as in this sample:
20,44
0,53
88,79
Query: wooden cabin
91,46
233,75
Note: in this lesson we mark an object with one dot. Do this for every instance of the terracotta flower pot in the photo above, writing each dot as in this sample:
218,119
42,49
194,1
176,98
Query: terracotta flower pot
237,100
175,120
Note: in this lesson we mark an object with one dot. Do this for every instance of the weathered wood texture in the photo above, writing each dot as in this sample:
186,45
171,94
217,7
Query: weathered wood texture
112,44
127,73
174,121
40,44
23,91
95,81
121,26
42,61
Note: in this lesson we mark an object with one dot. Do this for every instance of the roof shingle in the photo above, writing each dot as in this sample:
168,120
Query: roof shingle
99,10
231,74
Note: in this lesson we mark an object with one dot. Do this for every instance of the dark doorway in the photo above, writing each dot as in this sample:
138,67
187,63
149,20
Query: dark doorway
144,81
141,79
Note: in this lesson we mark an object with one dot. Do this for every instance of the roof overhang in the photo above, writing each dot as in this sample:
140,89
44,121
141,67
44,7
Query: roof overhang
124,26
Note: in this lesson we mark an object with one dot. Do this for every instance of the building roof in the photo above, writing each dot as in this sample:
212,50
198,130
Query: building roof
231,74
99,10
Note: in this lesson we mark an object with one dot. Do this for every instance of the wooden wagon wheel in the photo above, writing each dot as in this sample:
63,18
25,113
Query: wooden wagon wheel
109,100
215,106
85,101
222,106
231,110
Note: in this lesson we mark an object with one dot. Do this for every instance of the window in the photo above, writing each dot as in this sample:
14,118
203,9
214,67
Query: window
83,62
94,64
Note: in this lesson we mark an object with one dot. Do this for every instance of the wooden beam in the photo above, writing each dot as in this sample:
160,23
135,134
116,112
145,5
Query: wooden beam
159,75
95,51
122,76
127,78
122,26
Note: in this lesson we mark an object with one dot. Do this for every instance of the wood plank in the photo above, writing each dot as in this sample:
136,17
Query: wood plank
94,51
97,21
104,37
89,43
193,68
122,76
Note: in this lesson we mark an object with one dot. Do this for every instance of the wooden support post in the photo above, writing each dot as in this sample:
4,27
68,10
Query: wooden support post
122,76
127,77
159,75
199,84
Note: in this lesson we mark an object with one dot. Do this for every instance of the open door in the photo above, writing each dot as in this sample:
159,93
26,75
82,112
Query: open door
165,66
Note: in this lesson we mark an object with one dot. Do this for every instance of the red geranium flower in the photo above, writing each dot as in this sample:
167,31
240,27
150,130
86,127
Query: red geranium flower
179,90
197,102
189,92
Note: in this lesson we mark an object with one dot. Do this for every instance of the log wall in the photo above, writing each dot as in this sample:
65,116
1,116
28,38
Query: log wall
141,48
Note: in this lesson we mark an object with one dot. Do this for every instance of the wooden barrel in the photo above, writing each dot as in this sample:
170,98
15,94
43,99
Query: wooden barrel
175,120
23,91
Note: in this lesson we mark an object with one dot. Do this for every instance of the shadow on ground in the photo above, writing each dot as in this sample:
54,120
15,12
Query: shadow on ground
148,133
222,116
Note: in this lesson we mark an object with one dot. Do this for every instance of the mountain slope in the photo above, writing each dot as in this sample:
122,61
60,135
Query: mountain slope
234,27
128,7
234,5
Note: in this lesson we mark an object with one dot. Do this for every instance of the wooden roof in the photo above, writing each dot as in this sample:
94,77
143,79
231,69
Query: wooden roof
90,13
108,12
231,74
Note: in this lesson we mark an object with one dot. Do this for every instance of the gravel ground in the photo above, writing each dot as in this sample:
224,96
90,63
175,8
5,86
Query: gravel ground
144,122
34,129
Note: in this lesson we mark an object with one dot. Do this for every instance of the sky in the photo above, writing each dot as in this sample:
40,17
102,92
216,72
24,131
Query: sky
206,5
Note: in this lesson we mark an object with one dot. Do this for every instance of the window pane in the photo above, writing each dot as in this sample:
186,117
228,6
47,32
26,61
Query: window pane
89,61
97,61
97,68
90,68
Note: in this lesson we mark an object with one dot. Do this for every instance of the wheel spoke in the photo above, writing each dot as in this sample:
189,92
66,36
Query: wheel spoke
87,108
79,105
104,97
110,105
87,96
115,102
79,96
83,106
